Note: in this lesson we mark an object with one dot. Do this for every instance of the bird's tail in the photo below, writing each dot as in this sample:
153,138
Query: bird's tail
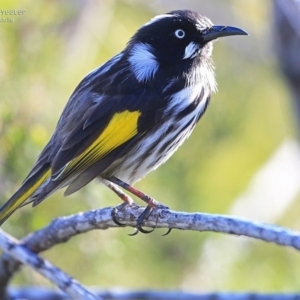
28,188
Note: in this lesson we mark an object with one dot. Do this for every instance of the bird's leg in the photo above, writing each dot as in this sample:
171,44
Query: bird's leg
127,199
151,202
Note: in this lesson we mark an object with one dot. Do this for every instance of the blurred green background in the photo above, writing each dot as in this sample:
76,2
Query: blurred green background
43,56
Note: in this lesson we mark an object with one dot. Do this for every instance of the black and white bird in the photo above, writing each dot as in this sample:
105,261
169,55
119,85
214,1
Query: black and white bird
128,116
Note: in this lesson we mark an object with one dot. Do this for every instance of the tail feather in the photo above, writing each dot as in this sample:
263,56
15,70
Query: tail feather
28,188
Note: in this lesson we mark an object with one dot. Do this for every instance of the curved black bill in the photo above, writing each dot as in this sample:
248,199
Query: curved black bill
221,31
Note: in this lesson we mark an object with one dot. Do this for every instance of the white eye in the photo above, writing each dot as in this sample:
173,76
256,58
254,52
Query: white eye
179,33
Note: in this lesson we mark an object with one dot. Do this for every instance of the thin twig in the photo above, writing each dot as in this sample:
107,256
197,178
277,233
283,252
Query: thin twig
63,281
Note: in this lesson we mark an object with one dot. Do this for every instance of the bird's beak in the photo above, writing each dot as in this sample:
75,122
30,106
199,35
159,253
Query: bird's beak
221,31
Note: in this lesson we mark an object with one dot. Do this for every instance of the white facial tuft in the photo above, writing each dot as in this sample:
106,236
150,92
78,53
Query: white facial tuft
190,50
143,62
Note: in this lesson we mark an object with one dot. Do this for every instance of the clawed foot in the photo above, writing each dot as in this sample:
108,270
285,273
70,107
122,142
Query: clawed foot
115,210
140,221
152,204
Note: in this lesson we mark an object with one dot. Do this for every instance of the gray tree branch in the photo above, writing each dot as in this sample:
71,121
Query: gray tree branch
62,229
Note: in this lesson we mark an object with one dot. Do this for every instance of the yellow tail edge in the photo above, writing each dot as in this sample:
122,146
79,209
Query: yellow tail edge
25,191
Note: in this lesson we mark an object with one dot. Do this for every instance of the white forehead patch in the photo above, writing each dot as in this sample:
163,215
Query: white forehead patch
201,27
190,50
143,62
157,18
204,24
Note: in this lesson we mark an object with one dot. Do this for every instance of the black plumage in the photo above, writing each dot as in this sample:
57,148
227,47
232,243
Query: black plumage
128,116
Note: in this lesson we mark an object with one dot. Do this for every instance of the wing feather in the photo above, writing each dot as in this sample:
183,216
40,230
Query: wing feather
106,112
122,127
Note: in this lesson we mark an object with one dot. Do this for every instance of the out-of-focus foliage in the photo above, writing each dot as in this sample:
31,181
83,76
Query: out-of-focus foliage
43,56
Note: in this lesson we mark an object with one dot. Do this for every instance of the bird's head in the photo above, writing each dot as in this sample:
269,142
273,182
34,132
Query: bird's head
178,36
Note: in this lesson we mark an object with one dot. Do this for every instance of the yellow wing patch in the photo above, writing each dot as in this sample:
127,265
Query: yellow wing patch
122,127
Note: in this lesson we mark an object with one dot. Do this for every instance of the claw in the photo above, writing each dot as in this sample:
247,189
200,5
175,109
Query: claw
115,219
169,230
145,214
140,221
114,214
142,230
135,232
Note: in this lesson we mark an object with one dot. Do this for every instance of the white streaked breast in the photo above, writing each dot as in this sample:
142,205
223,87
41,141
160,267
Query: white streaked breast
186,96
